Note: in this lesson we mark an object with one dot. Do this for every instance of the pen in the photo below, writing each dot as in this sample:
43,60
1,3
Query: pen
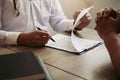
41,29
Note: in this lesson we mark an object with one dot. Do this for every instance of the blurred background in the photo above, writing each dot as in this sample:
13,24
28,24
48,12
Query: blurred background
70,6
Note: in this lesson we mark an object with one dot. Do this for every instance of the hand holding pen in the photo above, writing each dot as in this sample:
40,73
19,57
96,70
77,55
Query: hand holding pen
33,39
50,37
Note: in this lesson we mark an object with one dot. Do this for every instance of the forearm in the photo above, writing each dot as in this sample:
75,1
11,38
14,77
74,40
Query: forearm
62,24
112,43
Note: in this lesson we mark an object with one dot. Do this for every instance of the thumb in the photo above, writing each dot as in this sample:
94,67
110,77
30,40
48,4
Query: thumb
118,17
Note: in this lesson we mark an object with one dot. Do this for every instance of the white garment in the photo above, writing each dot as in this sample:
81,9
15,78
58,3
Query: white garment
32,13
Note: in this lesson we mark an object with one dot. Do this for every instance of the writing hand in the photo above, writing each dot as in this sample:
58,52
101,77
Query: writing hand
33,39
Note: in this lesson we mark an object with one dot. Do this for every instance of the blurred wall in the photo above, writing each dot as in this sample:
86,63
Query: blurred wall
69,7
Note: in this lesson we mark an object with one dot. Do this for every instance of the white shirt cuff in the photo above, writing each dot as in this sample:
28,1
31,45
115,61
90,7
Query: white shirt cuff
11,38
70,25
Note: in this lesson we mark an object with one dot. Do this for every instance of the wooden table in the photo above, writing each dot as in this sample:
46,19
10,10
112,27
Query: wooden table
93,65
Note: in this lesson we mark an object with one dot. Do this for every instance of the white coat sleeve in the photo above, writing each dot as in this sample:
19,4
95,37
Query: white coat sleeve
7,38
59,21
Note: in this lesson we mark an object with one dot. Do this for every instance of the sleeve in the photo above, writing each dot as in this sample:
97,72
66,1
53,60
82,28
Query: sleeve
7,38
58,20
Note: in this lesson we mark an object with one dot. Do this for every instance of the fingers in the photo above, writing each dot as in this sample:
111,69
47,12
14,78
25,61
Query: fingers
34,39
86,18
118,15
41,37
44,34
76,15
84,22
99,14
107,12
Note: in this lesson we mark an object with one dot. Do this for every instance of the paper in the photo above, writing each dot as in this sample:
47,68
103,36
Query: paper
82,13
81,44
73,43
63,42
86,44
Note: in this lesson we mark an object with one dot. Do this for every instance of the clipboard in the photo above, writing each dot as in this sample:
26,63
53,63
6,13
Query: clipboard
63,43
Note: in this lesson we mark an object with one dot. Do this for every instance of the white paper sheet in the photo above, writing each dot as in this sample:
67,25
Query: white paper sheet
73,43
81,44
82,13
